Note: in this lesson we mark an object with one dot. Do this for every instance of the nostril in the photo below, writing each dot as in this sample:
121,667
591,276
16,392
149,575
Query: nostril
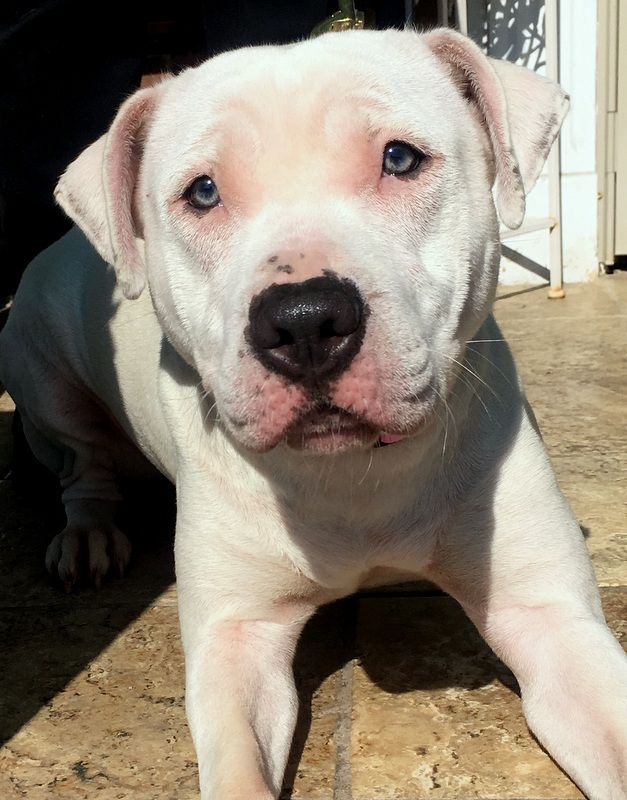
344,318
269,336
284,338
328,329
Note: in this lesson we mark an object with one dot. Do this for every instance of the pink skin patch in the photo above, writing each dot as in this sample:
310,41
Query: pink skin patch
361,391
358,389
390,438
264,407
280,411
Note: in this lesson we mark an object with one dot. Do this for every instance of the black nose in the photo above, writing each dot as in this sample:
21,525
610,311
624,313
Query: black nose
308,331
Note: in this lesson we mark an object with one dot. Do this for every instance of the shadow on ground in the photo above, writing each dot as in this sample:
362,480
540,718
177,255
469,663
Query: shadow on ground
49,636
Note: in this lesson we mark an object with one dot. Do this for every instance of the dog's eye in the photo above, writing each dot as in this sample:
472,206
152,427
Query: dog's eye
400,158
202,193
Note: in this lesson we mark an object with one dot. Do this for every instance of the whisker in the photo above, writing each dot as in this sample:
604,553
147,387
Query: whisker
475,374
492,363
473,389
469,383
370,459
448,413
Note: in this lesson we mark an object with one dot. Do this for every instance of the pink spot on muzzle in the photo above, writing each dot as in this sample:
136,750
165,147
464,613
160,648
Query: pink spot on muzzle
359,389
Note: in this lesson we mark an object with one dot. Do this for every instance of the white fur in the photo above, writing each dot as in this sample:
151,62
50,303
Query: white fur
293,137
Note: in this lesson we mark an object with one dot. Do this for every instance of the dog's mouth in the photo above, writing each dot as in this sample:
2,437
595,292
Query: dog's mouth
327,428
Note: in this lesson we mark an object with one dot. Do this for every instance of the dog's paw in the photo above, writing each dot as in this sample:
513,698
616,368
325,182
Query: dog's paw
92,550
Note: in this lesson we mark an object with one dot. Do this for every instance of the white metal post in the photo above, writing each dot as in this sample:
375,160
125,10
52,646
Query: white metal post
551,45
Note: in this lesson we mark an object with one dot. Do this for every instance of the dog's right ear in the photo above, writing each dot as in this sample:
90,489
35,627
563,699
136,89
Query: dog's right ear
97,191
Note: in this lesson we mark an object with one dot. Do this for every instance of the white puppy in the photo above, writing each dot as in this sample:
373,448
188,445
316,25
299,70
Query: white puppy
306,248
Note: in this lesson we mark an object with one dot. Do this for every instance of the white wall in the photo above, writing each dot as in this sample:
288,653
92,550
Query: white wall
578,23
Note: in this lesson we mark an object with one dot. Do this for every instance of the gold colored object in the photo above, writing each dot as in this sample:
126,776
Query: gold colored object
345,19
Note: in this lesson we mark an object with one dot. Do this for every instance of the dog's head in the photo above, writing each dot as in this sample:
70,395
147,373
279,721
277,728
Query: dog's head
316,222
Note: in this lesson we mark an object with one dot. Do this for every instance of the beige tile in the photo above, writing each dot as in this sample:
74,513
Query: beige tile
596,298
108,690
570,364
311,772
598,497
435,713
91,700
91,682
571,356
326,645
578,375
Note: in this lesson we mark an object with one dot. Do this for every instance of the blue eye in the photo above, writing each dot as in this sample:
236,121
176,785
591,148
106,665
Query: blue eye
400,158
202,193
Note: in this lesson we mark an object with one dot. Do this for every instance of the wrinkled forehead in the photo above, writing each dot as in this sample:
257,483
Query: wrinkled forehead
362,80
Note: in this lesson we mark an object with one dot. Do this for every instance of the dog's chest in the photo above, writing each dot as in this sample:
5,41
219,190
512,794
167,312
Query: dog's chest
343,551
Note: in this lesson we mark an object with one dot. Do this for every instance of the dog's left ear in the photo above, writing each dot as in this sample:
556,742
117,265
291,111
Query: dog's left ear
521,111
97,191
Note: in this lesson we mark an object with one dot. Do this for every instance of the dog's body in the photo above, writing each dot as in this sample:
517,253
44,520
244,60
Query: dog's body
318,234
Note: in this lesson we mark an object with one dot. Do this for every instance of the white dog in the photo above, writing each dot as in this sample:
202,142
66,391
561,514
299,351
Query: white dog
306,248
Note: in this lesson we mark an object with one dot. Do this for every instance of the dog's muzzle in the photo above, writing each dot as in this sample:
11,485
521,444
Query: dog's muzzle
308,332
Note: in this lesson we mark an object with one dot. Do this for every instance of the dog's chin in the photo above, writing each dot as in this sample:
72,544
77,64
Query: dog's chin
329,430
333,430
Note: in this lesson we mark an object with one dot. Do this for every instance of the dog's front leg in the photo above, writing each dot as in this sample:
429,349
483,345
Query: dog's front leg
241,705
517,562
572,675
241,614
573,679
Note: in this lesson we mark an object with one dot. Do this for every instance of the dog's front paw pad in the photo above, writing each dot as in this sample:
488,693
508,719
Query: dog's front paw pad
93,550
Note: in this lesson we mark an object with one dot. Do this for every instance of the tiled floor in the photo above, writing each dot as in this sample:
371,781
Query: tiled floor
400,697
